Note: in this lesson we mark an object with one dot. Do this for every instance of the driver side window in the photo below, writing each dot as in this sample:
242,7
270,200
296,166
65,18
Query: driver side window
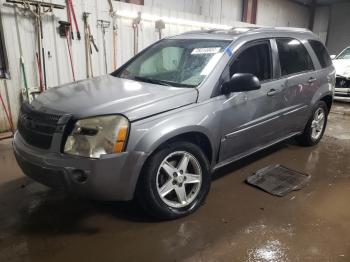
255,60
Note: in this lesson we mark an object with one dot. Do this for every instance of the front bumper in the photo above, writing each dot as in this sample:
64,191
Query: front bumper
342,94
112,177
342,88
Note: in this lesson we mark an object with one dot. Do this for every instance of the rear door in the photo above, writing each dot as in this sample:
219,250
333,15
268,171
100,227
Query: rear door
299,80
325,73
250,119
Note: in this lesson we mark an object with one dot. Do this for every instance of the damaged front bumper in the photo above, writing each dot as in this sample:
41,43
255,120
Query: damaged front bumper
342,88
113,177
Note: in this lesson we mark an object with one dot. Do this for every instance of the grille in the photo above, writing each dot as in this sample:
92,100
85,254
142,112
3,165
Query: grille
36,127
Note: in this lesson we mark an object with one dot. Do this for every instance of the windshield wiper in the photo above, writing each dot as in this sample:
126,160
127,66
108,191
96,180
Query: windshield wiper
151,80
160,82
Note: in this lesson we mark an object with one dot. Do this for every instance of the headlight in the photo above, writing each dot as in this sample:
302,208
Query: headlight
93,137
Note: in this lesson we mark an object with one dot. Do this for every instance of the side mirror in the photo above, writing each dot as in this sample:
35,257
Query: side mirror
241,82
333,56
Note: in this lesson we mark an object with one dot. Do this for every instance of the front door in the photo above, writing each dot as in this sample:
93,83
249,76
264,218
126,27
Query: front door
250,119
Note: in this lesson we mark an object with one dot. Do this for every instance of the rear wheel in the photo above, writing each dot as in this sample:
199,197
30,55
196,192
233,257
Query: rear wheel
175,181
316,126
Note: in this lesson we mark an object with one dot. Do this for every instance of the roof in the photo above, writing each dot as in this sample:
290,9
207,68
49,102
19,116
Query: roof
236,32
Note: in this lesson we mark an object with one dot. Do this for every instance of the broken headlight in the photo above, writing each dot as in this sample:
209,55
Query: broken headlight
96,136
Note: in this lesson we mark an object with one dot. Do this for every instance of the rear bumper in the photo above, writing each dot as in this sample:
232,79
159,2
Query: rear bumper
112,177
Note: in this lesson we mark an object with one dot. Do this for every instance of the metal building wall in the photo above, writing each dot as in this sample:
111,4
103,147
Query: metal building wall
321,22
339,28
282,13
216,11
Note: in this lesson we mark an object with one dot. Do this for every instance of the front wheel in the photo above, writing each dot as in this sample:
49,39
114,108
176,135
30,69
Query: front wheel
175,181
316,126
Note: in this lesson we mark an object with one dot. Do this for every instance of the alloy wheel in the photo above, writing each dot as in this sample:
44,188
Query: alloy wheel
318,123
179,179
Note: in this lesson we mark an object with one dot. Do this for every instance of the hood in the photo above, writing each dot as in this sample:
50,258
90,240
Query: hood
342,67
111,95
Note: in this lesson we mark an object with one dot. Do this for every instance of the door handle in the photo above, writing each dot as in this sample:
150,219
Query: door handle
272,92
311,80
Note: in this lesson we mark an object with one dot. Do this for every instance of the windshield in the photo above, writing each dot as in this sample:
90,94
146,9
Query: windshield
345,54
171,62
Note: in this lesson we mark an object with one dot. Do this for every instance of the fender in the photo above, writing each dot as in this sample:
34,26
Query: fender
319,95
202,118
181,131
327,77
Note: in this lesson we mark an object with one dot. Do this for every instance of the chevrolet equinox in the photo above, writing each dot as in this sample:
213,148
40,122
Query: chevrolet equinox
160,125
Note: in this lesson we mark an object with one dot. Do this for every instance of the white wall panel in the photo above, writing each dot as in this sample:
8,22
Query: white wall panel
321,21
339,30
282,13
214,10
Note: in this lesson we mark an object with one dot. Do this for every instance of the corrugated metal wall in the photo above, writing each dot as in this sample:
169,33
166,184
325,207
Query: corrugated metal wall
282,13
339,28
321,22
216,11
56,54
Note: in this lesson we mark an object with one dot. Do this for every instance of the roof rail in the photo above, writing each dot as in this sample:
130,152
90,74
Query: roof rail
291,28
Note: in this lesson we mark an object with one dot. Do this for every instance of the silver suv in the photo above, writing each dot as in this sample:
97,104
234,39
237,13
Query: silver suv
158,127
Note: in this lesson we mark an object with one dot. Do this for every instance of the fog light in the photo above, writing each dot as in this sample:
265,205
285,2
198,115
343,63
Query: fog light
79,176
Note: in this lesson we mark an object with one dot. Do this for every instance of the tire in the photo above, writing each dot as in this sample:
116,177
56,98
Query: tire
156,179
307,138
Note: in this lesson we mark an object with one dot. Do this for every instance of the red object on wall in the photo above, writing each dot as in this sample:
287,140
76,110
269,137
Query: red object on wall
250,8
8,116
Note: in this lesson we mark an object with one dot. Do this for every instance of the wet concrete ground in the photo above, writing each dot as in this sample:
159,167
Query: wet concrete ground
237,222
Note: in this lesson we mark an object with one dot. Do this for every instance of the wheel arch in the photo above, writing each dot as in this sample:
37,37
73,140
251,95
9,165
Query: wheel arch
328,99
322,95
198,136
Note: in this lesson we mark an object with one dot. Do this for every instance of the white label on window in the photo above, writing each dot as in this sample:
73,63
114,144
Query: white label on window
206,50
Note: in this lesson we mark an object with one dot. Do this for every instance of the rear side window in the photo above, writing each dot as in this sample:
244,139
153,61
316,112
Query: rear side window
293,56
255,60
321,53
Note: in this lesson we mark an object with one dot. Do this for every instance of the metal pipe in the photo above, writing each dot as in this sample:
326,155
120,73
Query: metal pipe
87,44
136,43
104,49
115,28
26,89
7,112
38,55
70,57
135,25
104,24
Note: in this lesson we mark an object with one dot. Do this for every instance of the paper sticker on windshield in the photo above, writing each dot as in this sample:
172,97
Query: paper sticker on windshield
205,50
